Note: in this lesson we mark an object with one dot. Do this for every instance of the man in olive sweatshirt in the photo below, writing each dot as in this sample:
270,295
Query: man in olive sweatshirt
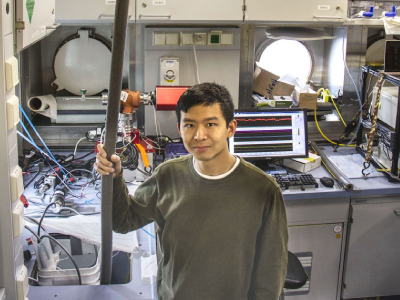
222,224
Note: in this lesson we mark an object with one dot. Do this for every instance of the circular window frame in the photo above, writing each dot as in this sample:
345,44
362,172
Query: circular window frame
269,42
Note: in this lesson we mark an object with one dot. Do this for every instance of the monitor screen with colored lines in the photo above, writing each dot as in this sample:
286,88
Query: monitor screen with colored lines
271,133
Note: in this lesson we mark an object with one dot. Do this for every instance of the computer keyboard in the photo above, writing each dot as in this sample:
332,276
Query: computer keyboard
295,181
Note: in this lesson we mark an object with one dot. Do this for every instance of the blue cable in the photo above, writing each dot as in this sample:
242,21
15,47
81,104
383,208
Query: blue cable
32,142
40,150
148,233
34,129
30,137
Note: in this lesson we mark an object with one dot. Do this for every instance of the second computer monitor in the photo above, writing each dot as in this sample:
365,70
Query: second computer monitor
270,133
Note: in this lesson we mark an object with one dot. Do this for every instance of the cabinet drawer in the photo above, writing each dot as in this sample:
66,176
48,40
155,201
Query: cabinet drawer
296,11
184,10
89,10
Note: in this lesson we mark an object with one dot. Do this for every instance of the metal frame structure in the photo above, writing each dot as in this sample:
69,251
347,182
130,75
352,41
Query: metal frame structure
396,82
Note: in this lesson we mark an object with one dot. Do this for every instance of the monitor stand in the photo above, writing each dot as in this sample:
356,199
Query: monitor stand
269,168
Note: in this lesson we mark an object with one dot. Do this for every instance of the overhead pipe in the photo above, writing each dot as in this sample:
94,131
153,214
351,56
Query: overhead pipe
114,95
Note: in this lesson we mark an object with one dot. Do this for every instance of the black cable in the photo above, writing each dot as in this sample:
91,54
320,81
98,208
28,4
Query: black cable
42,217
33,220
33,232
66,251
41,166
86,155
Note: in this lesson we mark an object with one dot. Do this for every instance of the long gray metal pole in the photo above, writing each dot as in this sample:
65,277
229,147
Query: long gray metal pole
114,94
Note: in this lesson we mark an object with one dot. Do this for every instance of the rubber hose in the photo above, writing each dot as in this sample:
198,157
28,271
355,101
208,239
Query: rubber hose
344,182
114,95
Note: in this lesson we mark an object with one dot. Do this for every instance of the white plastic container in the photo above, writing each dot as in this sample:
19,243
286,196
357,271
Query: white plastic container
388,107
68,276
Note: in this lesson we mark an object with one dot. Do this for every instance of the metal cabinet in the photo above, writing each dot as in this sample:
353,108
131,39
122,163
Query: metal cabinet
373,262
296,11
89,10
319,250
184,10
317,234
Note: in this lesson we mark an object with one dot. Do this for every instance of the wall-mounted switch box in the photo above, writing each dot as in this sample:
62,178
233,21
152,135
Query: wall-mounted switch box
17,185
12,77
158,39
12,112
22,283
187,38
172,39
214,38
169,71
18,219
227,39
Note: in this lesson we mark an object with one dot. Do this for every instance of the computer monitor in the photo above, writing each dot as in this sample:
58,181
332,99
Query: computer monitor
271,133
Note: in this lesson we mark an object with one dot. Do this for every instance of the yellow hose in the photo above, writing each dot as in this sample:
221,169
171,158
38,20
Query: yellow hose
325,137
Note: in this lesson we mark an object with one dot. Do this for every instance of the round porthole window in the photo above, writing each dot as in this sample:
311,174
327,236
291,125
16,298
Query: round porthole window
283,57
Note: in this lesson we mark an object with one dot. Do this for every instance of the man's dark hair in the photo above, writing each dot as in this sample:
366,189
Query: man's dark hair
206,94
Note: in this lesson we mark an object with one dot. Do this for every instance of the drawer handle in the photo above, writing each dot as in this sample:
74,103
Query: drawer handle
328,17
397,211
54,26
154,16
108,17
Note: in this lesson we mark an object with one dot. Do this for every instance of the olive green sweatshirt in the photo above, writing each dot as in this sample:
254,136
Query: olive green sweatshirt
223,239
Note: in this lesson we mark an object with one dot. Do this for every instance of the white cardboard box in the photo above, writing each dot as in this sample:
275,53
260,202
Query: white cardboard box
303,165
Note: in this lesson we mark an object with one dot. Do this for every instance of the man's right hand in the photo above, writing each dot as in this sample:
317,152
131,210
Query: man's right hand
106,167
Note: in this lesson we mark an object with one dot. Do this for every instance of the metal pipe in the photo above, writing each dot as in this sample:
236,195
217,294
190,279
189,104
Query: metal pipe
114,94
341,179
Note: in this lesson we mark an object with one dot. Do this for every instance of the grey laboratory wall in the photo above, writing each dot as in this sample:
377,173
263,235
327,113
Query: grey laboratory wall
356,47
219,64
333,62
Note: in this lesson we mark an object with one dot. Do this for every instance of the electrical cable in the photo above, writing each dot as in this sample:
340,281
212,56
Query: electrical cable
355,86
41,151
148,233
195,58
33,232
325,137
70,209
76,146
37,133
42,217
333,101
41,166
66,252
33,220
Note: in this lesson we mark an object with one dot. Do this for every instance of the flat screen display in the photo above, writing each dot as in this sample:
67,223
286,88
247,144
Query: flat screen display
270,133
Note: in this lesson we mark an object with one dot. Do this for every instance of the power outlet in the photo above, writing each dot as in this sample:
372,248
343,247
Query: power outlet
200,38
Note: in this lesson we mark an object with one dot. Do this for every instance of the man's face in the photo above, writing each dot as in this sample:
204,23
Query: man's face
204,132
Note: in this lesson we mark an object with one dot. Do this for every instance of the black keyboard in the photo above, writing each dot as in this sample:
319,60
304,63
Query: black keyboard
295,181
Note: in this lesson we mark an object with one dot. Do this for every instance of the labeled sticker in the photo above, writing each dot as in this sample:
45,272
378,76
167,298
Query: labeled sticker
30,5
35,34
159,2
324,7
111,2
169,63
124,96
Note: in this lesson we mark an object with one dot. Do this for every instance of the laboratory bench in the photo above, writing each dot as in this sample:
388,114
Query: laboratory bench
347,241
